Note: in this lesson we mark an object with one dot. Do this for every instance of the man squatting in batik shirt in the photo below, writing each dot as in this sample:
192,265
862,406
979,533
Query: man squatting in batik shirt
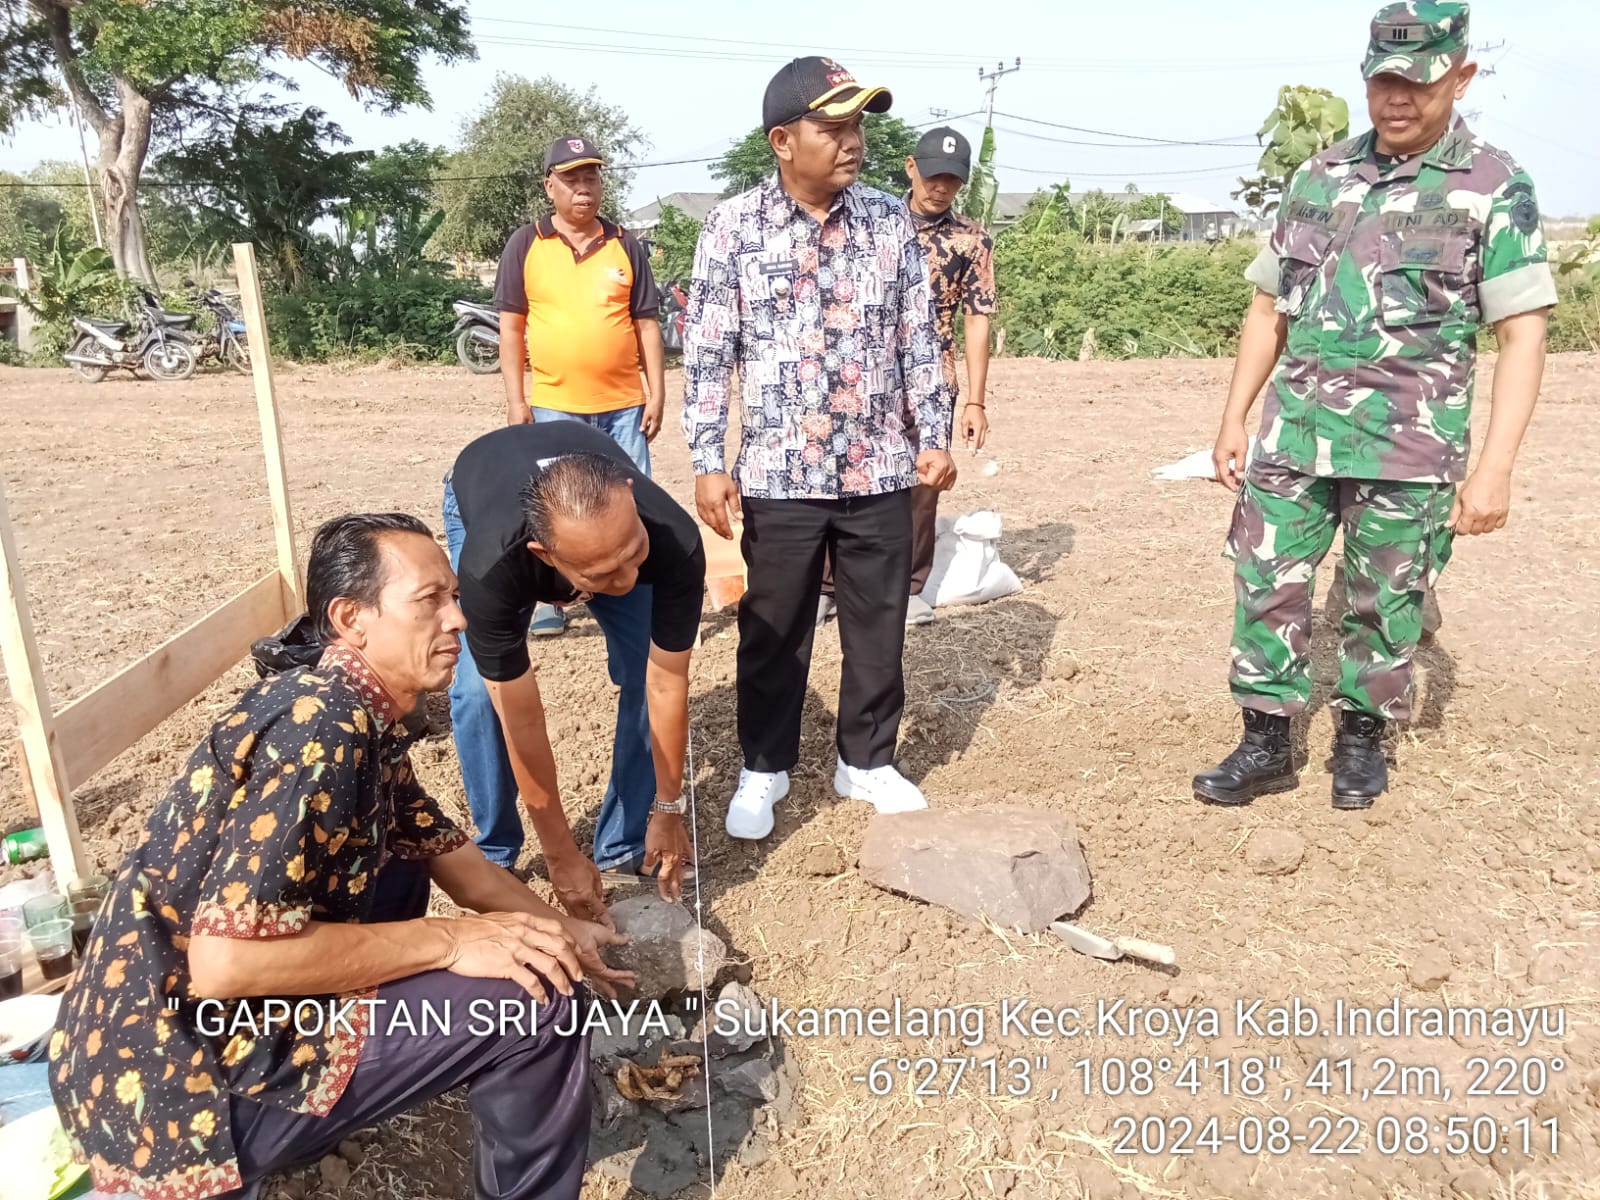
288,869
1391,251
815,288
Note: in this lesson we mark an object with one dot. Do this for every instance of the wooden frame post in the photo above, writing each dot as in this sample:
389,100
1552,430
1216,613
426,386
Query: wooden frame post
255,320
43,762
61,750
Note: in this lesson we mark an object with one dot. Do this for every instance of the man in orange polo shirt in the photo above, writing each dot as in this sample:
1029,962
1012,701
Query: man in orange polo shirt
577,291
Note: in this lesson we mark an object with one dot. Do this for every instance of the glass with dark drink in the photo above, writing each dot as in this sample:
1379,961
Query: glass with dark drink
10,968
52,946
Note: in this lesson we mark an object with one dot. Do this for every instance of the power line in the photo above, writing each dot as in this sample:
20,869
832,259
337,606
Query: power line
1065,173
1133,137
879,53
1040,137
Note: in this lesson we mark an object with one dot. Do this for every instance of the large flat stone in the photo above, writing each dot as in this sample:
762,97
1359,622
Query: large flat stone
664,946
1020,867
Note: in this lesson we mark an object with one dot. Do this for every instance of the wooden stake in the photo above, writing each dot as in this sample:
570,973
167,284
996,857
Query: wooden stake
255,320
47,772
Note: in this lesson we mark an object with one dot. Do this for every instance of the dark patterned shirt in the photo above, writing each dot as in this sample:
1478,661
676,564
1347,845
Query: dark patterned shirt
284,815
961,269
831,328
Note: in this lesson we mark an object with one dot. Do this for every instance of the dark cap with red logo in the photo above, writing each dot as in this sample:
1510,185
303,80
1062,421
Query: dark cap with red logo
821,88
565,153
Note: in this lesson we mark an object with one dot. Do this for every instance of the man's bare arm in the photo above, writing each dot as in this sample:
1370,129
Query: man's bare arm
1261,343
1484,501
647,332
513,364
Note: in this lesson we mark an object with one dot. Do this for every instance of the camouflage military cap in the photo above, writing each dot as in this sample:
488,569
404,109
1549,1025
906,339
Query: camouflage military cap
1417,39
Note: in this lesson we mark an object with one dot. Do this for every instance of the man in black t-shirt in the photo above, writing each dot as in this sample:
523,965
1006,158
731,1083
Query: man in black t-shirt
554,513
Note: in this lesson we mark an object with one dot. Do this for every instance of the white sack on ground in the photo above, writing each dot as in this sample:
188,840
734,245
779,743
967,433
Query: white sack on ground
966,562
1196,466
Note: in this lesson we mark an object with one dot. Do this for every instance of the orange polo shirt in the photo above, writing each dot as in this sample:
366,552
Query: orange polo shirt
581,306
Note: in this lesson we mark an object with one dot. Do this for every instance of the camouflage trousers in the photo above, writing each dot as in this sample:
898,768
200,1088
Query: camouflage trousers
1396,541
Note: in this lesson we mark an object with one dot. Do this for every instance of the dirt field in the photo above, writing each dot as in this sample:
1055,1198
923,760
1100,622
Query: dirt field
1098,691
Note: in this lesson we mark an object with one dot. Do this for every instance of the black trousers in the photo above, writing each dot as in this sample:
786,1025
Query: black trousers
785,542
527,1084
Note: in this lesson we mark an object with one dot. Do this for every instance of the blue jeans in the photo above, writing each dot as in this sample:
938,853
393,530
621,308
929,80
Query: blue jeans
625,426
481,745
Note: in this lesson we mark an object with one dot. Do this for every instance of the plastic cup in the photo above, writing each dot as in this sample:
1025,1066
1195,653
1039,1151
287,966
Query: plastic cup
43,909
52,946
84,914
10,968
89,887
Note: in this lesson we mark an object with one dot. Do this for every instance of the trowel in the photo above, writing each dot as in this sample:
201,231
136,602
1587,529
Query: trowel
1095,946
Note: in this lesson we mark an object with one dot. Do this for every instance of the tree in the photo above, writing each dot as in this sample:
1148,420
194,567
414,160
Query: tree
143,70
269,184
495,182
1305,122
983,188
890,142
674,239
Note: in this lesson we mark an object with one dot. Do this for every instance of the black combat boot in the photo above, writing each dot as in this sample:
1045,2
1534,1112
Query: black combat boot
1261,765
1359,773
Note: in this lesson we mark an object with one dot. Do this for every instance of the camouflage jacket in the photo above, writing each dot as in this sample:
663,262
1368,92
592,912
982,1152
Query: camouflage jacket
1386,271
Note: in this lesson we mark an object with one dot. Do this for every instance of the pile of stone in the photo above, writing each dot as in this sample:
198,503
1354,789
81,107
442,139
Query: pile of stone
676,1099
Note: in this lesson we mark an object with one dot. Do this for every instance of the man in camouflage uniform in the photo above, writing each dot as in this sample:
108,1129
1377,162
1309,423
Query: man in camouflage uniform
1391,250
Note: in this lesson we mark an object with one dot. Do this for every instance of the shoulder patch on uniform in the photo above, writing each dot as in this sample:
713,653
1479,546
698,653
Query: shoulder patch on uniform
1524,207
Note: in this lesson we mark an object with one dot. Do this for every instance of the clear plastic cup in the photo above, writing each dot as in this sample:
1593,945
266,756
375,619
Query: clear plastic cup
89,887
44,909
52,946
10,967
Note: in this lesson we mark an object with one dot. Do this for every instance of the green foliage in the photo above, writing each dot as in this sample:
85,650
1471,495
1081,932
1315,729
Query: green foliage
495,182
11,354
889,142
30,216
1575,322
982,187
269,184
68,285
369,316
1305,122
1060,293
674,239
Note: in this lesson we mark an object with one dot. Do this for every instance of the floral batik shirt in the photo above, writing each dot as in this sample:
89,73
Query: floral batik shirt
961,270
284,815
830,327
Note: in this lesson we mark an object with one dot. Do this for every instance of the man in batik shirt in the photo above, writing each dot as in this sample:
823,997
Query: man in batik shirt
290,863
961,272
1392,250
815,289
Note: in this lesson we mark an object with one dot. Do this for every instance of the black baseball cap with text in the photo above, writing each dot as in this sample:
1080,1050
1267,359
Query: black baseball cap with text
818,87
565,153
943,151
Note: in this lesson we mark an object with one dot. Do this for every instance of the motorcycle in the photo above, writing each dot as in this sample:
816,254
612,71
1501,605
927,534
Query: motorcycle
158,340
478,330
477,337
224,341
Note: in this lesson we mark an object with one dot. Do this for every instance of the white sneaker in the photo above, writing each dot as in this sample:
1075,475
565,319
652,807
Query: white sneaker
750,810
826,608
884,788
919,612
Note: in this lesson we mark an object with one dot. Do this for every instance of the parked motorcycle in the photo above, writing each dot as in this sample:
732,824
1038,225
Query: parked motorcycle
225,340
478,330
477,337
159,341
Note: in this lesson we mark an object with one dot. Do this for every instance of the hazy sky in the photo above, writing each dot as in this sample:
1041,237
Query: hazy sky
691,75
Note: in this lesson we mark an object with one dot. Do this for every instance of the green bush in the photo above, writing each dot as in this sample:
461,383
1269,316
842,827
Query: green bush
1575,322
369,317
1138,299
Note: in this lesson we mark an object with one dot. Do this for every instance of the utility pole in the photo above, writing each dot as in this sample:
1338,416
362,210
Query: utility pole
993,78
88,182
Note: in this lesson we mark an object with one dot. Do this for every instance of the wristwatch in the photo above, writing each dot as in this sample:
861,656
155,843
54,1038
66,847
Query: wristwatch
676,807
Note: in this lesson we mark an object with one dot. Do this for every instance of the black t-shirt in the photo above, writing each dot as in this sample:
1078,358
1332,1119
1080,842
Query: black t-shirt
501,579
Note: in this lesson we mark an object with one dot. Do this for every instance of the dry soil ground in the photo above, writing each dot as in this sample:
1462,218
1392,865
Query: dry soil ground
1096,692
